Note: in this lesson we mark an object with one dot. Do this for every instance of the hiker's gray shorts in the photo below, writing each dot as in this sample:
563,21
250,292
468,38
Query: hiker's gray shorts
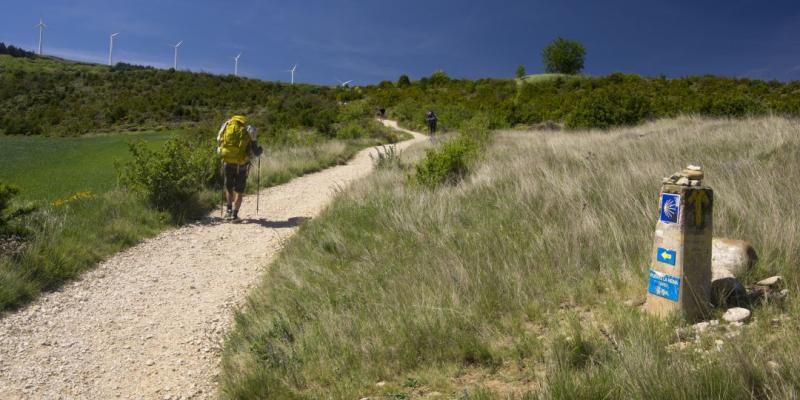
236,176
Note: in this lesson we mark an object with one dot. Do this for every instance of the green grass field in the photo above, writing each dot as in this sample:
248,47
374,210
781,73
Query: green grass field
516,283
52,168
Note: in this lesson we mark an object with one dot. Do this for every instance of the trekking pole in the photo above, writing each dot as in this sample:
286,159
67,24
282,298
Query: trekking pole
258,184
222,202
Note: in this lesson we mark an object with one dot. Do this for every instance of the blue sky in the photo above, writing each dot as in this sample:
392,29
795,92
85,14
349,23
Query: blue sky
369,41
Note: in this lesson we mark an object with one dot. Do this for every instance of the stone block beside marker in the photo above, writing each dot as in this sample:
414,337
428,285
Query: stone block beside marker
679,279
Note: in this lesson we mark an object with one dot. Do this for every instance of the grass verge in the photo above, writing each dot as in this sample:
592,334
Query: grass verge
514,283
72,234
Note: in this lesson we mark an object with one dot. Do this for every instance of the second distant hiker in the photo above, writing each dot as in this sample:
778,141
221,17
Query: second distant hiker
236,143
431,118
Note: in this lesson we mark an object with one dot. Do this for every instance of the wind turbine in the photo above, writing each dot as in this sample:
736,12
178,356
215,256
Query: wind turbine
292,71
111,47
236,65
175,62
41,27
345,83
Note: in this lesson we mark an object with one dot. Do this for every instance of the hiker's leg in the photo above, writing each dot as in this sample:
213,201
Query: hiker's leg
238,202
239,187
229,198
230,181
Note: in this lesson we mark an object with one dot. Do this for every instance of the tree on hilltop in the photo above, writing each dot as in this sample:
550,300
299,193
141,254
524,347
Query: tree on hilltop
403,81
520,71
15,51
563,56
439,77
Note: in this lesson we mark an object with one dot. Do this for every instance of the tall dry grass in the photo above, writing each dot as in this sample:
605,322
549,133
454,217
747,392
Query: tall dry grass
514,282
281,165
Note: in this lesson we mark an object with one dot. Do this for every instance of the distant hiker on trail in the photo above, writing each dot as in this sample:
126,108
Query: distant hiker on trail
431,118
236,142
381,113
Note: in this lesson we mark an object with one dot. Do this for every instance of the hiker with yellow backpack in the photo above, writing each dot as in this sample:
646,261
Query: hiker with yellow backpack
236,143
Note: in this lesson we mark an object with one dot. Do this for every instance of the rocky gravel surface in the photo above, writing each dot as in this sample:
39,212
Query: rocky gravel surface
149,322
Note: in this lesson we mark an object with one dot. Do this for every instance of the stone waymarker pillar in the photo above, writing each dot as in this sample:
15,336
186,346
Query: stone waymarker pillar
680,271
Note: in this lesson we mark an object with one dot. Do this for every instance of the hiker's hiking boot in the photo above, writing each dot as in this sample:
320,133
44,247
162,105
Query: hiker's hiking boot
235,217
228,215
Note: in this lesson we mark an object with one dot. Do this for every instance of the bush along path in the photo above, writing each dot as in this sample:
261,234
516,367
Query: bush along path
148,322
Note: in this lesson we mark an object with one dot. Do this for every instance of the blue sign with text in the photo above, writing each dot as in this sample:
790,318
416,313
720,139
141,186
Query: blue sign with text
670,207
664,285
666,256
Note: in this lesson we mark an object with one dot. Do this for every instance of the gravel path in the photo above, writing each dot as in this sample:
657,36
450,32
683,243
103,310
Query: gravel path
148,323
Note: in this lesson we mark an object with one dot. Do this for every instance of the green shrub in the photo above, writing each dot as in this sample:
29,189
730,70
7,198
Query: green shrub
607,108
350,130
403,81
439,77
8,214
736,106
447,164
7,192
172,178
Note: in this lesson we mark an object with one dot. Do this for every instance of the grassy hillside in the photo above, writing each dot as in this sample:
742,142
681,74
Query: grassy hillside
53,97
41,95
580,102
516,282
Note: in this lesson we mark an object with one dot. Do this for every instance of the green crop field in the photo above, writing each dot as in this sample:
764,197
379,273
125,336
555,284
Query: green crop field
48,168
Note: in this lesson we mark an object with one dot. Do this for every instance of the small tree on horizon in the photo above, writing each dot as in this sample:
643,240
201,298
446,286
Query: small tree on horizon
403,81
439,77
563,56
520,71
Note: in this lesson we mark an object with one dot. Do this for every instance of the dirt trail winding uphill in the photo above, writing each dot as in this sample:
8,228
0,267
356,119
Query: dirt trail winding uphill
148,322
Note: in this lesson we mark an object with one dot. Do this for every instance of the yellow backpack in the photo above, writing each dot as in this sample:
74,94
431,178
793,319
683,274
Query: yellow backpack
235,141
